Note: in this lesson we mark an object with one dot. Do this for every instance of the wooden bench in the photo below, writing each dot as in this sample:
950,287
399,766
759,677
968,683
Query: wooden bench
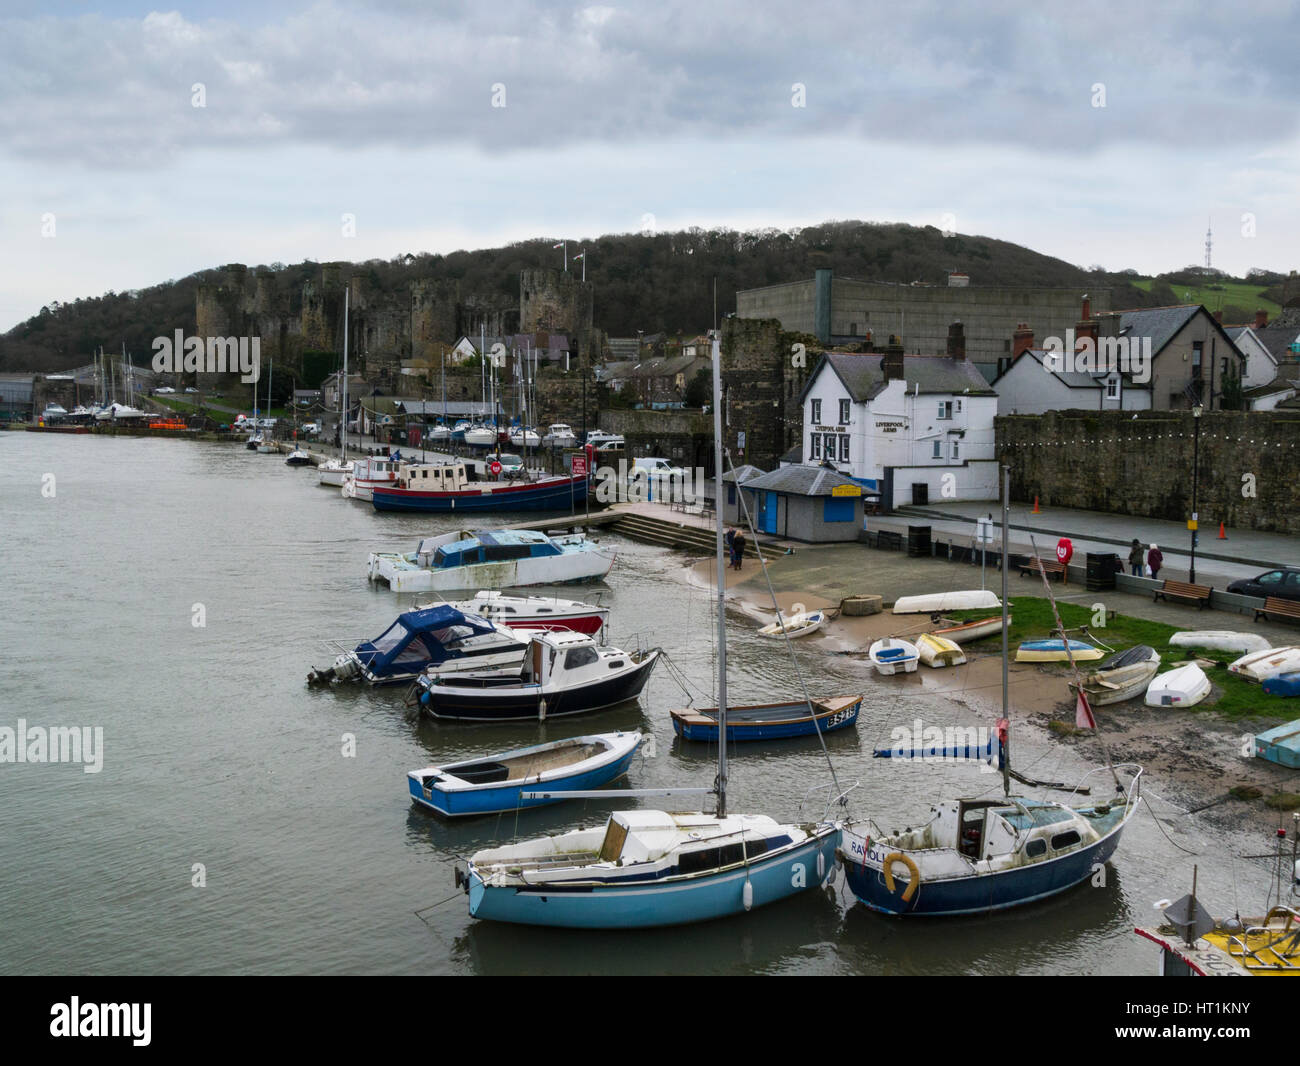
1182,590
1278,606
1051,567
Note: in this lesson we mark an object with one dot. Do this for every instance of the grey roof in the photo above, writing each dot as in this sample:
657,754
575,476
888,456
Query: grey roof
1074,379
801,481
1278,340
1272,387
742,473
1161,324
794,455
863,377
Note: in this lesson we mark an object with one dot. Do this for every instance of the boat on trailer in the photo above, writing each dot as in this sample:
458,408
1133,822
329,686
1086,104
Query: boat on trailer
500,558
769,721
562,673
492,784
428,640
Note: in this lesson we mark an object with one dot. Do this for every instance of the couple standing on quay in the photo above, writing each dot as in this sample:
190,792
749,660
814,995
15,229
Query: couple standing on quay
1154,559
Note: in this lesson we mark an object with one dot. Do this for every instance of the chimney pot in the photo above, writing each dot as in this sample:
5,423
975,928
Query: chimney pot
1022,339
1261,318
956,341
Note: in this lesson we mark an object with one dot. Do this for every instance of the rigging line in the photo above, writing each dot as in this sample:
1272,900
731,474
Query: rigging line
1159,826
794,658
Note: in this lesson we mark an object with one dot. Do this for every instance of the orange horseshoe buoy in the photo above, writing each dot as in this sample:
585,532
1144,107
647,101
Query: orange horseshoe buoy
913,878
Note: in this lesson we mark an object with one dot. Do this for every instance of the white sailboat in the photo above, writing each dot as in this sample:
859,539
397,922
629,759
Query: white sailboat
646,868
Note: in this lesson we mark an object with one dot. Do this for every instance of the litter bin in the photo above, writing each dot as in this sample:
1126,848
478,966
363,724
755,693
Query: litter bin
1102,567
918,540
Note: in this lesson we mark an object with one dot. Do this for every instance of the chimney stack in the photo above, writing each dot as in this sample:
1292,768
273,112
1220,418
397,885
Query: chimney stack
892,361
1022,339
1086,328
1218,317
956,341
1261,318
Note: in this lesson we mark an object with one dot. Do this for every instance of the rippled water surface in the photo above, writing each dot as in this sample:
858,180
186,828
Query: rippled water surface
216,753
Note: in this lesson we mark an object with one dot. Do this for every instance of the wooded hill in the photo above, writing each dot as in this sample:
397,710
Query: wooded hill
650,282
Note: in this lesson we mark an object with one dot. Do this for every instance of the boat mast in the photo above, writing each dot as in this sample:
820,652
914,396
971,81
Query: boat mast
722,579
343,392
1006,521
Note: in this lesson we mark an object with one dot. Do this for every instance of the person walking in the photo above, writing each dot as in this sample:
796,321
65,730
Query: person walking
1155,560
1135,558
738,549
729,539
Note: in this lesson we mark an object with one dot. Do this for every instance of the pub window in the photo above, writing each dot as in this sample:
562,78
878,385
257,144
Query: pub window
830,446
816,446
816,411
844,409
844,448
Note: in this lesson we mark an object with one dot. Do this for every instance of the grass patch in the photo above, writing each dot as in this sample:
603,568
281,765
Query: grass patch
1062,729
1283,801
1031,619
1244,792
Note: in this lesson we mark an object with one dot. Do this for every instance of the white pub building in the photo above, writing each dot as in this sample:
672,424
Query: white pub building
916,429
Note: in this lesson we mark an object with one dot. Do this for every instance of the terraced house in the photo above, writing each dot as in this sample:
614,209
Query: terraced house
913,428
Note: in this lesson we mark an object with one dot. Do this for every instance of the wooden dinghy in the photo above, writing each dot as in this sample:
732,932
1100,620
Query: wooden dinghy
1259,666
769,721
937,651
491,784
797,625
1122,676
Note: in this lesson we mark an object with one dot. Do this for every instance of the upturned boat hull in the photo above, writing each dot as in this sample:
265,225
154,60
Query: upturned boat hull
667,901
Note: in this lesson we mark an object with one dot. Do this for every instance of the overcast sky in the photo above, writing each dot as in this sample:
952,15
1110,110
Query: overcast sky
978,117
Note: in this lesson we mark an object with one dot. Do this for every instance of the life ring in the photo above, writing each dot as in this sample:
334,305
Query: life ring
914,875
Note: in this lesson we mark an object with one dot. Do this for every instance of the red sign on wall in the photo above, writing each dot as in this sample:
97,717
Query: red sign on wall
579,466
1064,550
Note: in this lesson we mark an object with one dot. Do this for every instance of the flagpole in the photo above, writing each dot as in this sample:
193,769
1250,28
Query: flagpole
1006,715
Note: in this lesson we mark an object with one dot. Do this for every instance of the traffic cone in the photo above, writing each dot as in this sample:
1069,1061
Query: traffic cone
1222,535
1035,510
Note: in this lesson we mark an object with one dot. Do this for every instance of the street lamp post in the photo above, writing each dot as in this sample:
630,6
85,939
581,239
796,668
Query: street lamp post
1196,474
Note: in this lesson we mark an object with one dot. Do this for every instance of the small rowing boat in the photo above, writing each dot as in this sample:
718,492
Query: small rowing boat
937,651
1183,686
966,632
1261,665
1121,677
892,656
1220,640
1053,651
797,625
967,600
769,721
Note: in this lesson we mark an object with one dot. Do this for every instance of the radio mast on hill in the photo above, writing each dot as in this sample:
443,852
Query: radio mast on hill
1209,242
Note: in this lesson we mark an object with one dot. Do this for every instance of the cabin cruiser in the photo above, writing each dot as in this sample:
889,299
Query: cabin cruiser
368,474
523,437
332,472
560,436
481,436
428,640
498,558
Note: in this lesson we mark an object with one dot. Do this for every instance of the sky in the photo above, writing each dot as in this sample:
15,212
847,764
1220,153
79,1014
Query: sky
139,145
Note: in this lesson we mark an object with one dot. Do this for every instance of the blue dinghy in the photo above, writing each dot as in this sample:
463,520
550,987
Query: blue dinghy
1283,685
492,784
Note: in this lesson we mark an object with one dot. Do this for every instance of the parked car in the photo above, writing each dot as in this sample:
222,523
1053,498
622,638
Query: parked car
190,388
164,391
512,467
310,429
1283,583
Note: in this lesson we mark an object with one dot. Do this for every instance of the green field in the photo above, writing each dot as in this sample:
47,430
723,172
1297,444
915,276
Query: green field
1219,295
1031,619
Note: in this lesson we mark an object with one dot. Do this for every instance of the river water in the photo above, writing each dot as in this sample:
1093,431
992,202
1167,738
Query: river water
220,766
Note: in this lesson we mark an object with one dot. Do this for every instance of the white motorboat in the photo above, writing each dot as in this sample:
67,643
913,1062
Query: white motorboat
501,558
116,412
333,472
53,412
376,471
523,437
1123,676
536,612
893,656
598,440
1259,666
481,436
560,436
1183,686
968,600
937,651
440,434
797,625
1220,640
298,457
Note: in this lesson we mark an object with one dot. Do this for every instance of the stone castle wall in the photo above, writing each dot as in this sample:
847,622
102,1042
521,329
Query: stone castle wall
1110,461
